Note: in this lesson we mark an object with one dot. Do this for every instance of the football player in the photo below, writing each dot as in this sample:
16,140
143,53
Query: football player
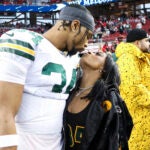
36,75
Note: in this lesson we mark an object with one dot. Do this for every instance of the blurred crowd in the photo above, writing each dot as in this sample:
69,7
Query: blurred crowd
109,32
113,27
105,28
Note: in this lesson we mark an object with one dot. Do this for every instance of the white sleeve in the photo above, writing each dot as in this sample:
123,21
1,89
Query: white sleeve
13,71
16,56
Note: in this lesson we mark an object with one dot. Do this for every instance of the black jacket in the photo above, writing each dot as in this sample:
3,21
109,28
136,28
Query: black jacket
101,130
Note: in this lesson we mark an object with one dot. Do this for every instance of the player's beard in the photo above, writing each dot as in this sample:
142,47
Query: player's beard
72,52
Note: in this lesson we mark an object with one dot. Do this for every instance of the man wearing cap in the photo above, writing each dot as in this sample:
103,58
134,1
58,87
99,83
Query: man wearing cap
36,77
134,66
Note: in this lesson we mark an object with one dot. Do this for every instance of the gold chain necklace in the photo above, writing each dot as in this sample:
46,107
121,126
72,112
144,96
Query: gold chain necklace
81,90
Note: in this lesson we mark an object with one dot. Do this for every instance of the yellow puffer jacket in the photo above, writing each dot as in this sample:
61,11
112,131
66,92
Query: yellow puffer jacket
134,67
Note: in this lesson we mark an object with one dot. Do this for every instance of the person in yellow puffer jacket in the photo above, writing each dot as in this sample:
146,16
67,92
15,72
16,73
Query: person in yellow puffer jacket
133,60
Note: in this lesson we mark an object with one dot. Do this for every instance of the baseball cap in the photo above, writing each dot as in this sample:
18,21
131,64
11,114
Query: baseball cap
136,34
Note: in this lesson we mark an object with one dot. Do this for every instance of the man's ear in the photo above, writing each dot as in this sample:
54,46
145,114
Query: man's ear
137,42
75,25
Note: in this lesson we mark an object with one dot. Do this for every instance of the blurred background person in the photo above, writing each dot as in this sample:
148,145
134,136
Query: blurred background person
134,67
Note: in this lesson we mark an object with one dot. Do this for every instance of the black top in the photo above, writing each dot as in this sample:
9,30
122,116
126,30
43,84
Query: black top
100,130
75,125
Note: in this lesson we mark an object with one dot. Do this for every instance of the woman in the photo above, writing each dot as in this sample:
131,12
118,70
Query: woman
89,119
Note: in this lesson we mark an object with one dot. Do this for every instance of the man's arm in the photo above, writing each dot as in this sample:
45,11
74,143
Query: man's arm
10,99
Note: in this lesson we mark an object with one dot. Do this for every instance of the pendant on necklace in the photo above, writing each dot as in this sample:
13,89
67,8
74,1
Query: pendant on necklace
78,93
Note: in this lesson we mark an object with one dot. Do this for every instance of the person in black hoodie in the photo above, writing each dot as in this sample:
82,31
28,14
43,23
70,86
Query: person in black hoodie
90,118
